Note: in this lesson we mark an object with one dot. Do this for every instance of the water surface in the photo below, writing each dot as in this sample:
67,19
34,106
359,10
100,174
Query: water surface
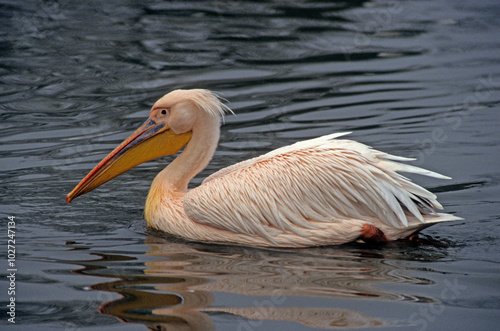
418,79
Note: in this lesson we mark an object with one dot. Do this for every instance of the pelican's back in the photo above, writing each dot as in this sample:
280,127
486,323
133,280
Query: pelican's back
313,185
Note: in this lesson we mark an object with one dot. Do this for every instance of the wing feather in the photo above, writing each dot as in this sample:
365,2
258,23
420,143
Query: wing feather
299,186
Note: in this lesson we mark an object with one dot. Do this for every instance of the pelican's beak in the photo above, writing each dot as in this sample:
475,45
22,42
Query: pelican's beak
149,142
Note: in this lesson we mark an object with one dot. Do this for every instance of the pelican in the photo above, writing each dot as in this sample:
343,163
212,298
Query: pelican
322,191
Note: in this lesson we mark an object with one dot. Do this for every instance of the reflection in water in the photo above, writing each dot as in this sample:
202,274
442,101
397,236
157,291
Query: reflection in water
178,290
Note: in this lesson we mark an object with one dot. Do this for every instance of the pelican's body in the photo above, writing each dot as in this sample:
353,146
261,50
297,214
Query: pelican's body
322,191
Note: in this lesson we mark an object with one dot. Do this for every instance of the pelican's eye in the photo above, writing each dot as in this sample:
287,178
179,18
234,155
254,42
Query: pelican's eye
161,114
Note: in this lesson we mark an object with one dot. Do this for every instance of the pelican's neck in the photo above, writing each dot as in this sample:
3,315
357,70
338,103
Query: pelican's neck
195,157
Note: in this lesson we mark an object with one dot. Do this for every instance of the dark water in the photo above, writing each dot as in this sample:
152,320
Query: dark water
411,78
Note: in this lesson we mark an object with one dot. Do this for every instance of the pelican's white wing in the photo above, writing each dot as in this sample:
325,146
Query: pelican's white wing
318,180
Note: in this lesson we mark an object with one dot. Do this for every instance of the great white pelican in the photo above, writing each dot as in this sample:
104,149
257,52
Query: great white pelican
322,191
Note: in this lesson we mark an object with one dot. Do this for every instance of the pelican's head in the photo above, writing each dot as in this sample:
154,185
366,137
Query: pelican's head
168,129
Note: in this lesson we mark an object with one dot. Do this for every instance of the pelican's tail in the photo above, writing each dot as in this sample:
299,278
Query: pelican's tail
415,225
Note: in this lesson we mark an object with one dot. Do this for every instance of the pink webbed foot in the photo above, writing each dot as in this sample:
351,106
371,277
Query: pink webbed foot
372,235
